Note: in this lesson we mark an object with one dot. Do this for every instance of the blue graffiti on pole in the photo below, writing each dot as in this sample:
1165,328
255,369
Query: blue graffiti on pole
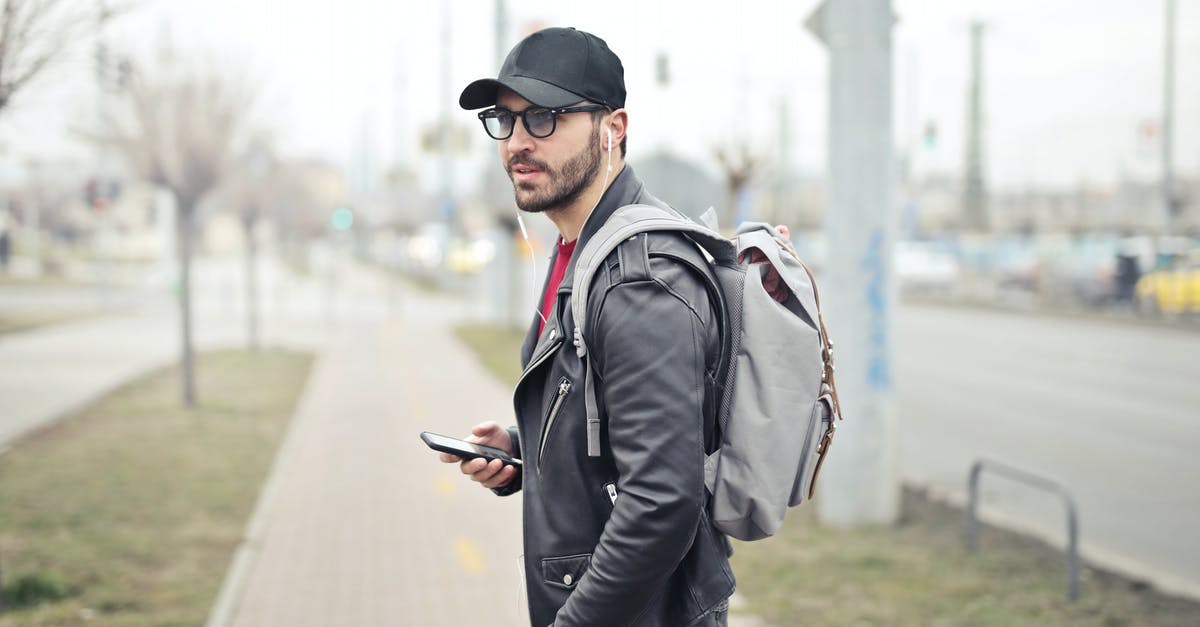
879,371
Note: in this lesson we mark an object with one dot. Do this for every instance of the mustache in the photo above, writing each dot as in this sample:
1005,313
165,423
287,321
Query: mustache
526,160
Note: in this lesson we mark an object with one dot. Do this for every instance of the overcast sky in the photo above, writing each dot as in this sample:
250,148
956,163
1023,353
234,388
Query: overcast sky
1067,82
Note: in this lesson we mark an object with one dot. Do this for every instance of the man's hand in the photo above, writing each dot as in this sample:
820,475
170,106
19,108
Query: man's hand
492,474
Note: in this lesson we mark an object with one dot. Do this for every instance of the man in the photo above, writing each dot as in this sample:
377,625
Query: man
623,538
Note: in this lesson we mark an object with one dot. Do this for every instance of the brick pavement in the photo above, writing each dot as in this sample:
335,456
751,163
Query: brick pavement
359,524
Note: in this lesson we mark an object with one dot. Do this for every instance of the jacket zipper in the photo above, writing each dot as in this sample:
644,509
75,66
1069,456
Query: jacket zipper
564,387
553,341
611,488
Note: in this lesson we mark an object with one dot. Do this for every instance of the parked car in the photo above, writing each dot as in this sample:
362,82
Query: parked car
1172,290
1080,270
1014,263
926,267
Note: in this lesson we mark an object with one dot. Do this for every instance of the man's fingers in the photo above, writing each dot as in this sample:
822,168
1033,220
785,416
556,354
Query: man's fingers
472,466
448,458
481,470
501,478
484,429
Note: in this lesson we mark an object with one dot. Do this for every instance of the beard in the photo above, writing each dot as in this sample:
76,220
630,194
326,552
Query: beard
565,184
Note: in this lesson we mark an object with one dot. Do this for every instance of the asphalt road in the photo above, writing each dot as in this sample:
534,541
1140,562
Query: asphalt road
1111,411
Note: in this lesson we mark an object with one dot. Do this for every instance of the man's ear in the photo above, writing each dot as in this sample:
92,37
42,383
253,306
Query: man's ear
618,123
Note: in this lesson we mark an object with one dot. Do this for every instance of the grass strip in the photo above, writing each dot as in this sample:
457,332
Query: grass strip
19,321
918,572
497,347
130,509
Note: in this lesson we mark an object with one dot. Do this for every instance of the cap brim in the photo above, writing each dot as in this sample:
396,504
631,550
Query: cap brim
482,93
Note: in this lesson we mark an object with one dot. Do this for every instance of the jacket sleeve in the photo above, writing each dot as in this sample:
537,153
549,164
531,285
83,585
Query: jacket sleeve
648,350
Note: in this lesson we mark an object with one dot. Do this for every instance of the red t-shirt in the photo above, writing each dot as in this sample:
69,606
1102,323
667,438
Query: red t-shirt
565,250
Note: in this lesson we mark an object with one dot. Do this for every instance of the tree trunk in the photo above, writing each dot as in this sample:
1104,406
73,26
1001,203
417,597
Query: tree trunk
183,213
248,222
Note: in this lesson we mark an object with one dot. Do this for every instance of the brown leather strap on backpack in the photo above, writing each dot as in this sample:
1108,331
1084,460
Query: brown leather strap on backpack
826,344
829,386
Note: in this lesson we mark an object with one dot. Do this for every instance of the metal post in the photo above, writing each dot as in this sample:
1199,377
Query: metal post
1168,143
444,138
861,484
100,235
501,26
1034,481
975,192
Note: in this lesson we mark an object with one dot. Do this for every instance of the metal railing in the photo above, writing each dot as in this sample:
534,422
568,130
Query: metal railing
1035,481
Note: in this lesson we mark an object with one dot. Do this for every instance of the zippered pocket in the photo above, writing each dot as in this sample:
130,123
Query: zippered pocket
564,388
611,490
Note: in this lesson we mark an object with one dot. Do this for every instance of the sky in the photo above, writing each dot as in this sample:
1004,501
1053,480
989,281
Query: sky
1066,87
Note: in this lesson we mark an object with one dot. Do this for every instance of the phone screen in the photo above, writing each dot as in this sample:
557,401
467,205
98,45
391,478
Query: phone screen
455,446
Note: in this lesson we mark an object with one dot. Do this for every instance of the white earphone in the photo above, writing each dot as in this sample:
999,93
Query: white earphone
609,129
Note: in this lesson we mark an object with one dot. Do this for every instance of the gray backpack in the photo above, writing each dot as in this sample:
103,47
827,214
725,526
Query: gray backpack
777,401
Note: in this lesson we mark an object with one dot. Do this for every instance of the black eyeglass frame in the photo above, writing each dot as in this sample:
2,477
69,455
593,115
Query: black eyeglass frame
492,113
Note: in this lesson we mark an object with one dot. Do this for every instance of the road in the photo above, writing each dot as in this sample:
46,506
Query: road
1109,410
49,372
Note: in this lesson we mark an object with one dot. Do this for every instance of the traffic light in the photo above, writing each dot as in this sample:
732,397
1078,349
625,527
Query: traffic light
342,219
931,135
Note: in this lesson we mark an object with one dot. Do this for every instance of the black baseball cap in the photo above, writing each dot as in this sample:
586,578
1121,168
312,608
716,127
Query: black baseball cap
555,67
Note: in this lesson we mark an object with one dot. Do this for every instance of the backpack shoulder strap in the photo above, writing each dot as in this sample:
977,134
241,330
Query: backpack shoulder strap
626,222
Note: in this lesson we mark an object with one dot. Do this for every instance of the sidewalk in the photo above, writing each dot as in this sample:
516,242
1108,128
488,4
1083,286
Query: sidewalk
359,524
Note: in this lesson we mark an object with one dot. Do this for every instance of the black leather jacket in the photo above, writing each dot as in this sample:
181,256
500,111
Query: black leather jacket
624,538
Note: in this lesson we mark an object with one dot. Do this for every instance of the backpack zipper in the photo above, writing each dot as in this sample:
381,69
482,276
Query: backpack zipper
564,387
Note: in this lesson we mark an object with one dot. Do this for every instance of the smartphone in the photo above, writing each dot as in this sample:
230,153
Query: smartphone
467,450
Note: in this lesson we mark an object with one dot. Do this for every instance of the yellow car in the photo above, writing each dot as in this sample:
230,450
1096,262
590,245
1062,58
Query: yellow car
1174,290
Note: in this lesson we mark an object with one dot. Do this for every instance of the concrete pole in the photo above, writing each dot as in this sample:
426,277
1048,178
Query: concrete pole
975,192
507,263
783,174
501,27
1168,125
447,162
860,483
103,220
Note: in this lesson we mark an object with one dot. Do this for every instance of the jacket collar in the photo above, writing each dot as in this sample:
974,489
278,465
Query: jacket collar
626,189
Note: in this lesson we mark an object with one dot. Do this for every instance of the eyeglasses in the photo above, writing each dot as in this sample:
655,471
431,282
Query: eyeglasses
540,122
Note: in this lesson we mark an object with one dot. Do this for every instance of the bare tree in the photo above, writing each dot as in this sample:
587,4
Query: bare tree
738,165
182,132
36,33
256,182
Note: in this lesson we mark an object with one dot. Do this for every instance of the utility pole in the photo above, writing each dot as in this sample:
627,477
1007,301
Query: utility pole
783,174
860,484
975,191
501,32
100,208
507,264
1168,125
444,138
